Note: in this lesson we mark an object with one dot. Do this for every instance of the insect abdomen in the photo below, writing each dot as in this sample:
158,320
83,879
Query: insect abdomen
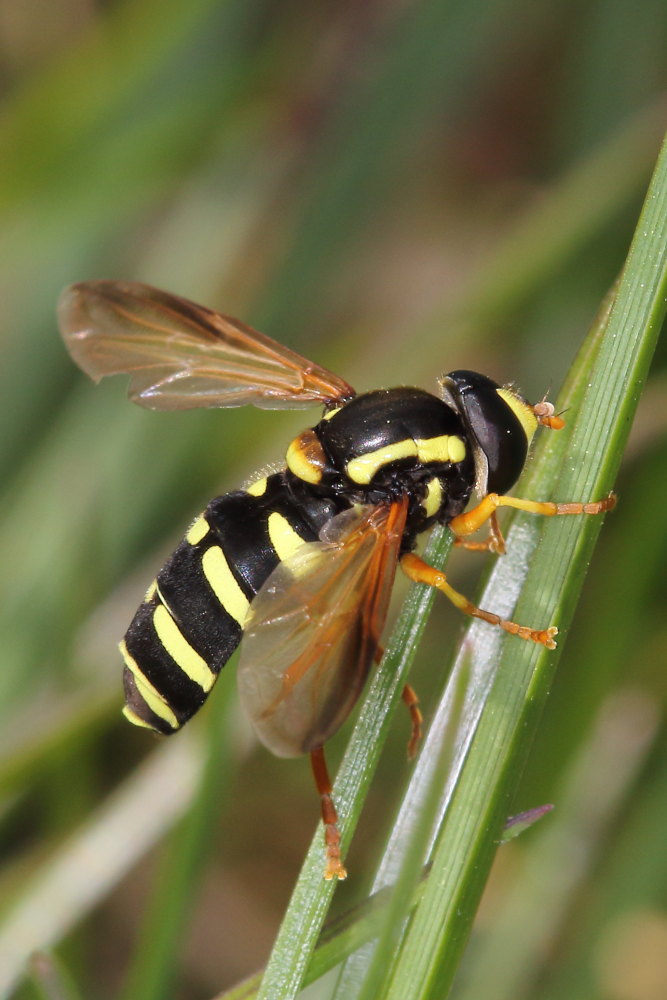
183,634
192,617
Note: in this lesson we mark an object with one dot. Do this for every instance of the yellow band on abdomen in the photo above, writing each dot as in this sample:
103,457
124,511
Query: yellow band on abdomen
151,695
283,537
224,586
180,650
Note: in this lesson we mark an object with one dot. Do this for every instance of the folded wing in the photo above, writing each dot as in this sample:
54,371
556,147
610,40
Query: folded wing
180,355
314,629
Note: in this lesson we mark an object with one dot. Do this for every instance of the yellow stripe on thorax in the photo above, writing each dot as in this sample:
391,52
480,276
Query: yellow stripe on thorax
151,695
198,530
435,449
283,537
362,469
457,448
433,499
180,650
445,448
224,586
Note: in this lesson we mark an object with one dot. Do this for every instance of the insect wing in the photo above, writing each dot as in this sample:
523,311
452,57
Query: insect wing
314,628
181,355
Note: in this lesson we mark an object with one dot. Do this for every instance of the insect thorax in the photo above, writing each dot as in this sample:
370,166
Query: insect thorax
386,444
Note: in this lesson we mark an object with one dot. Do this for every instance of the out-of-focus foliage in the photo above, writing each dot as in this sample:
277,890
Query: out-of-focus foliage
395,189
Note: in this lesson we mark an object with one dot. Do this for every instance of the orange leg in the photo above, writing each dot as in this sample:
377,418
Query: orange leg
494,543
334,866
471,520
419,571
410,698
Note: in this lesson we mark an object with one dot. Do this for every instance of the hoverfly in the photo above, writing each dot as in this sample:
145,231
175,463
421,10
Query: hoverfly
301,563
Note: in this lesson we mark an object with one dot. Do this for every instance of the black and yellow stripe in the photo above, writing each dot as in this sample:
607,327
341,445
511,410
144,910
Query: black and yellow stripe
192,617
426,434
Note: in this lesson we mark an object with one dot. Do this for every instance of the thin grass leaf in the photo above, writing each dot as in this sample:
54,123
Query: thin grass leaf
561,859
481,799
339,938
307,909
379,970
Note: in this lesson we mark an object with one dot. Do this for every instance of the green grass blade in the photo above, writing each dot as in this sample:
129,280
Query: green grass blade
305,915
597,436
561,859
379,969
340,938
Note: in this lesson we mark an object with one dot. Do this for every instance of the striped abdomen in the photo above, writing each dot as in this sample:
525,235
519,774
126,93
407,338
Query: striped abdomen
192,617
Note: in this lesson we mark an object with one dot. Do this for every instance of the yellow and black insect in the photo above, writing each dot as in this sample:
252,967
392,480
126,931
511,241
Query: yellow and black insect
301,563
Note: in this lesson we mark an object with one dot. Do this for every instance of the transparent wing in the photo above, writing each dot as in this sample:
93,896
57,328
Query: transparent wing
180,355
314,629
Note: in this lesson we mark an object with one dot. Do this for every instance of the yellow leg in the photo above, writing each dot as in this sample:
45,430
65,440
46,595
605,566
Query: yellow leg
419,571
468,522
494,543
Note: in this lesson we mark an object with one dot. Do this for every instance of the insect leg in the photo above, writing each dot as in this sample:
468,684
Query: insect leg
494,543
419,571
334,866
471,520
410,698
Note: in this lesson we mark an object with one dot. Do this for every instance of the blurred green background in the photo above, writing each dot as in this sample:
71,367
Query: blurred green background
397,190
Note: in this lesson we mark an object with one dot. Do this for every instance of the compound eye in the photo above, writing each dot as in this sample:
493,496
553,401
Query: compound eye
500,424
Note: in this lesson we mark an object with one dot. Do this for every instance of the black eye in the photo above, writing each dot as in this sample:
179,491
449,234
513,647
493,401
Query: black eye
498,439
